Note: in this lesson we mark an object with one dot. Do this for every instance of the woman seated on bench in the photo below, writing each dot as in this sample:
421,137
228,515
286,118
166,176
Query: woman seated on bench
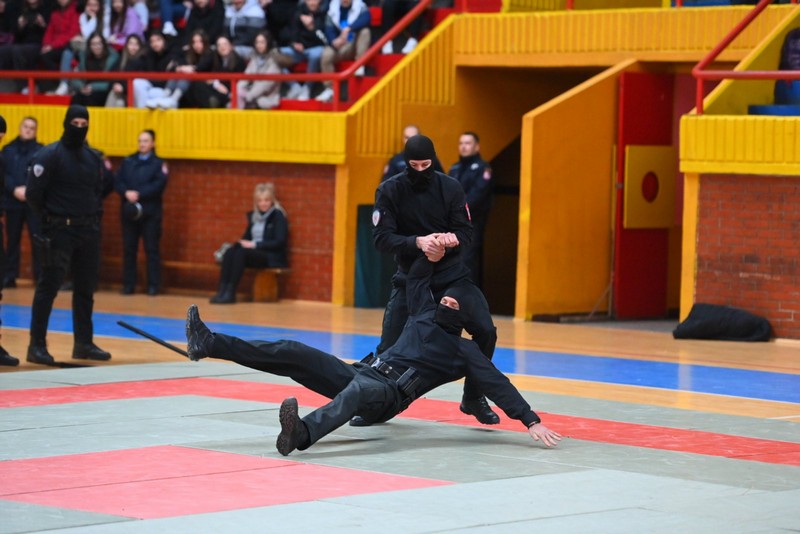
263,244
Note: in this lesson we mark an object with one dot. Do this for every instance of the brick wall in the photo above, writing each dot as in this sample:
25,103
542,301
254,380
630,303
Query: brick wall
205,204
748,247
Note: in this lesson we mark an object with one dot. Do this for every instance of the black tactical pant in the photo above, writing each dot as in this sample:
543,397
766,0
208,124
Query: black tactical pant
355,389
148,229
75,249
15,220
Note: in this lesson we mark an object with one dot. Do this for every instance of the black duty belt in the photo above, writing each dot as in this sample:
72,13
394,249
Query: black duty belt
406,383
83,220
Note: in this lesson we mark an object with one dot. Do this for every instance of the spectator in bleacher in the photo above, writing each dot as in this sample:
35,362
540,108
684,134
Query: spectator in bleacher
7,16
392,12
787,92
260,94
263,244
199,58
122,21
216,93
349,37
243,20
90,21
131,60
279,14
18,155
29,29
171,10
61,28
308,42
158,57
206,15
98,57
142,11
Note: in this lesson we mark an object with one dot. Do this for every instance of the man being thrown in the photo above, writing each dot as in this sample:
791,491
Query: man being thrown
430,352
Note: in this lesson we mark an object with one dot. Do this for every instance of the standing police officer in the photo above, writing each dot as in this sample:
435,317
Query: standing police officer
5,357
475,176
411,208
140,182
66,188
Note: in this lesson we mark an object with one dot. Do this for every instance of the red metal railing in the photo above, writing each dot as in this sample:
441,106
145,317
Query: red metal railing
702,75
336,77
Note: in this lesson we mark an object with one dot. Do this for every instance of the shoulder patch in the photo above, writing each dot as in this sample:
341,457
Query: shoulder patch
376,217
469,216
107,164
38,170
487,174
164,168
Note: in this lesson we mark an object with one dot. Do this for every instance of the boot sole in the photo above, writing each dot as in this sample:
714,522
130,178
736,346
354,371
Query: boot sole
482,420
288,418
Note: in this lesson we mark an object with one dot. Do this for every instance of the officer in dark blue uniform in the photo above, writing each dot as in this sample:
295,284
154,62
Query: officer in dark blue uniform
18,155
397,163
475,176
410,209
429,353
5,357
66,186
140,182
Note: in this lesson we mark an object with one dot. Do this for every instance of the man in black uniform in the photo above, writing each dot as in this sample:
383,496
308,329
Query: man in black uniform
140,182
18,155
397,163
411,208
66,187
5,357
475,176
429,353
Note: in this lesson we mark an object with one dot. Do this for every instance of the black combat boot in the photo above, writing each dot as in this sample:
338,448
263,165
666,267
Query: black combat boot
7,359
89,351
294,433
226,295
480,409
199,339
37,353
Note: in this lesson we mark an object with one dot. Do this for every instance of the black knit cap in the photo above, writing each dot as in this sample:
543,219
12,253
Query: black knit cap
76,111
418,148
2,124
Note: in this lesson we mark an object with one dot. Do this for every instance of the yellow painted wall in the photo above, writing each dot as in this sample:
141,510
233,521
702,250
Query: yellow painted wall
566,186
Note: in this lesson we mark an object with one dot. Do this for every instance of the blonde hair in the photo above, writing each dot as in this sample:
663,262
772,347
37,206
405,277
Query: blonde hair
266,190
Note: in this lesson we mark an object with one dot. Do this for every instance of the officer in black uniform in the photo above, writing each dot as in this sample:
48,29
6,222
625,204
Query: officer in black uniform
66,186
140,182
429,353
5,357
475,176
410,208
397,163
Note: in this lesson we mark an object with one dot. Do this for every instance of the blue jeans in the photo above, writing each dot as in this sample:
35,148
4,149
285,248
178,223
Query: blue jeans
312,55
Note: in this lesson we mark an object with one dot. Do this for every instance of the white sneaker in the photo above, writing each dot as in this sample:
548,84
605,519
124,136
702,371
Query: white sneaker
387,48
151,103
303,95
24,90
325,96
62,89
411,44
168,102
294,91
360,71
169,29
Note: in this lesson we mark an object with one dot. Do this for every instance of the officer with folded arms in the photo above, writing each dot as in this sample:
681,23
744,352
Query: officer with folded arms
67,182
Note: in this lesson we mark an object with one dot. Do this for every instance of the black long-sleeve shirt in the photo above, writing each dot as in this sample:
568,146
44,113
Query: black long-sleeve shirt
440,357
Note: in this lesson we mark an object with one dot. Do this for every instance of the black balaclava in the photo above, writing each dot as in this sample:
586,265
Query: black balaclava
448,319
73,136
419,147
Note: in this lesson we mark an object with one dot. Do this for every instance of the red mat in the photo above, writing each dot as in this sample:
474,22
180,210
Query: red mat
598,430
171,481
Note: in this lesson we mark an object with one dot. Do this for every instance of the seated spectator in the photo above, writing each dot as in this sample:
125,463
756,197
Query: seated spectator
788,91
158,57
131,60
90,21
171,10
263,244
349,37
279,14
199,58
98,57
63,26
206,15
260,94
122,21
142,11
308,42
7,17
216,93
28,30
393,11
243,20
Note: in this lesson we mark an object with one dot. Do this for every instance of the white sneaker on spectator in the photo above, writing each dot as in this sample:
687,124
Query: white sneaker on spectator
294,91
387,48
62,89
169,29
151,103
360,71
24,90
303,94
411,44
325,96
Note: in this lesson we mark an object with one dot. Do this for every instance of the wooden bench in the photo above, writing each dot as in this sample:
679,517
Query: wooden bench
266,286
